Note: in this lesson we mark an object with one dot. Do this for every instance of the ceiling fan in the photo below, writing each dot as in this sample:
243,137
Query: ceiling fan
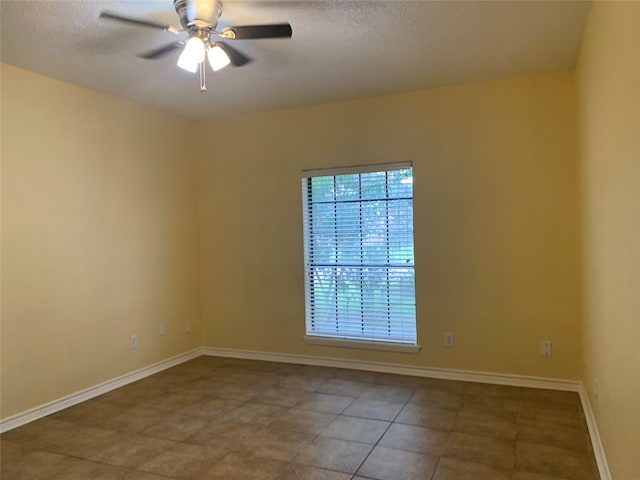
199,19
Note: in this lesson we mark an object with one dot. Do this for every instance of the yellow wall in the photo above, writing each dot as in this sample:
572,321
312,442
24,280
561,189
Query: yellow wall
99,238
496,221
608,78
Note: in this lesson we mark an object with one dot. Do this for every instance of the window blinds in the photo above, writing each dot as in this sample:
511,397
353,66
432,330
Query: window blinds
359,256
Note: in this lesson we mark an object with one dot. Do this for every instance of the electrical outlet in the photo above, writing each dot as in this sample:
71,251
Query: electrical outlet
448,340
161,328
187,327
545,348
134,341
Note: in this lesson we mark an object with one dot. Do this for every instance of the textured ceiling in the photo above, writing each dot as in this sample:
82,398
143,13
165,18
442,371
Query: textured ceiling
340,49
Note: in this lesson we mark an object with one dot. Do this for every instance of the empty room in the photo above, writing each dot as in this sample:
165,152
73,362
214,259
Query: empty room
321,240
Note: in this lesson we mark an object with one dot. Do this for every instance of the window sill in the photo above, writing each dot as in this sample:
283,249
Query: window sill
363,344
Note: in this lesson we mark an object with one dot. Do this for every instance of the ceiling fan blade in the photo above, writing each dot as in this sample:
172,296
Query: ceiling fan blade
161,51
277,30
237,58
138,22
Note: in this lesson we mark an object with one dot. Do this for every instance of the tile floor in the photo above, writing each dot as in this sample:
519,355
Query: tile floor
215,418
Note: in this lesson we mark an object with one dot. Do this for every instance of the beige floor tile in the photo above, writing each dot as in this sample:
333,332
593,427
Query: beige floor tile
204,385
187,370
42,433
338,386
131,395
198,389
324,402
375,409
235,466
90,413
222,434
32,465
175,427
280,396
361,376
389,464
10,450
255,413
553,434
11,454
452,386
454,469
86,442
432,417
502,406
85,470
550,397
304,421
131,450
284,369
318,371
178,374
484,422
183,461
437,398
555,413
399,380
388,393
301,382
356,429
275,444
493,391
140,475
170,402
554,461
494,452
499,406
295,471
238,391
518,475
416,439
209,407
132,420
334,454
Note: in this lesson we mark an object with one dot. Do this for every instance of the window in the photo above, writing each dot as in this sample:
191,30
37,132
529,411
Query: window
358,254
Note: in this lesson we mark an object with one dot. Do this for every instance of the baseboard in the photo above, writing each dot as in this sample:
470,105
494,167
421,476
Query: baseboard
418,371
594,434
54,406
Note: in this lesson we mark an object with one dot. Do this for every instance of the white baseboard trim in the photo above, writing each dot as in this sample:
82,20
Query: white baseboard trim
594,434
418,371
54,406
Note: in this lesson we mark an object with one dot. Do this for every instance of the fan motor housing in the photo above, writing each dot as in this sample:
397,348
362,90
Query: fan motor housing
198,13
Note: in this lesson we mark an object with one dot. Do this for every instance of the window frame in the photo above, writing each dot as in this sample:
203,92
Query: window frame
409,344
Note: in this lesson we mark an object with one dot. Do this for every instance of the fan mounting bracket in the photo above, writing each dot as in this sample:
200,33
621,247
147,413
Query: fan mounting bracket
201,14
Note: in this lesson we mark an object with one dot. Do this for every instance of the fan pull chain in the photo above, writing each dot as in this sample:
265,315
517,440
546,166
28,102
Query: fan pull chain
203,78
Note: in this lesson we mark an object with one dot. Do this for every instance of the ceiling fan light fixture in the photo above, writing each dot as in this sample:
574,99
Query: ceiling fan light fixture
199,19
218,59
192,55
